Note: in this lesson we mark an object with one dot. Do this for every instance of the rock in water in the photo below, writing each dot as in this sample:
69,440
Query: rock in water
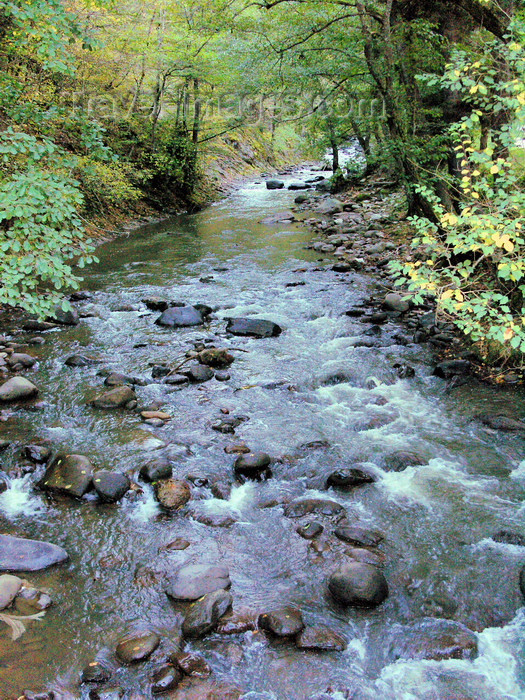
215,358
398,461
18,554
172,494
359,585
317,506
9,587
191,664
205,614
254,327
180,317
110,486
165,678
347,479
522,581
81,361
120,397
195,580
395,302
137,646
433,639
358,536
254,466
321,639
17,389
68,474
500,422
274,184
285,622
156,469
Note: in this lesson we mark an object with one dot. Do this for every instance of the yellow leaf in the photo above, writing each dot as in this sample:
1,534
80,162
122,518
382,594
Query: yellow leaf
459,296
476,173
521,98
508,333
474,89
475,195
494,169
447,294
509,246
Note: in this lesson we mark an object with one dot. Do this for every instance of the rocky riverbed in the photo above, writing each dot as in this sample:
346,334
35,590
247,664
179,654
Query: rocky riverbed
237,471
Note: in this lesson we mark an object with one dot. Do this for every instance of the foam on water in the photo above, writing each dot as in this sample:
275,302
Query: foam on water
19,499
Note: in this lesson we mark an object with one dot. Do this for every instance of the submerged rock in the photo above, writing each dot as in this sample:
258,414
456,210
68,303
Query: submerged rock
253,327
17,389
137,646
278,218
205,614
501,422
318,506
195,580
120,397
509,537
321,639
346,479
180,317
310,531
156,469
433,639
358,536
96,672
522,581
68,474
18,554
398,461
284,622
191,664
359,585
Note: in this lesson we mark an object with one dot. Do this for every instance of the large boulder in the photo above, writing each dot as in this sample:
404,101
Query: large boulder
180,317
192,581
18,554
253,327
432,639
119,397
284,622
359,585
172,494
68,474
110,486
330,206
17,389
205,614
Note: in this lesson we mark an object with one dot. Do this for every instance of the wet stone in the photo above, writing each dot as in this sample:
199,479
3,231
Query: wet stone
395,302
176,380
359,585
39,454
499,422
172,494
180,317
193,581
222,376
238,623
17,389
120,397
165,678
136,646
65,317
213,519
110,486
522,581
96,672
274,184
156,469
346,479
433,639
120,379
321,639
177,544
155,303
9,587
316,506
310,531
254,466
240,448
451,368
221,490
205,614
20,360
191,664
285,622
218,359
253,327
30,601
199,374
358,536
366,556
68,474
18,554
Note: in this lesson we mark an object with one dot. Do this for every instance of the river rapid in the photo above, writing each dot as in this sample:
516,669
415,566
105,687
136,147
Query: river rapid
315,401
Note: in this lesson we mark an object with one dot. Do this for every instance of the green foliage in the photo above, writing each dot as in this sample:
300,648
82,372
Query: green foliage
39,227
474,256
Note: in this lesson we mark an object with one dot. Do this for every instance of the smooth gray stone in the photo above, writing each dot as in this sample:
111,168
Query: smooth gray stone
9,587
19,554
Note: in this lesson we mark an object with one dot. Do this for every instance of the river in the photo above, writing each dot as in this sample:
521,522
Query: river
312,385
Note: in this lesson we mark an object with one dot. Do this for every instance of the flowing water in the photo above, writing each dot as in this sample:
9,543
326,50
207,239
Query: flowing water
309,385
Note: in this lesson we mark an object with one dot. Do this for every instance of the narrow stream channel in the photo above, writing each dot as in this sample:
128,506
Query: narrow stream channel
315,401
